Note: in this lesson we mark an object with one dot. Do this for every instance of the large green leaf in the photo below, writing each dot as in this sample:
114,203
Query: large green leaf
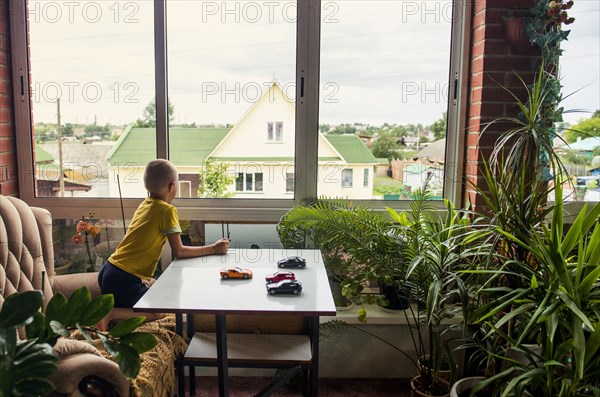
128,360
126,327
140,341
77,303
20,307
97,309
33,387
56,309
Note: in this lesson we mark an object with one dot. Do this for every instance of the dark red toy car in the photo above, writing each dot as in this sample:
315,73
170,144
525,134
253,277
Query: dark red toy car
278,276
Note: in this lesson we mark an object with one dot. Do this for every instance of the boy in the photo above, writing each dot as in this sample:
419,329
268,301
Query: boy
128,272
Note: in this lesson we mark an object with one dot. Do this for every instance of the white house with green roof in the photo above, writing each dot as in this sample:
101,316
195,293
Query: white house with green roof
259,151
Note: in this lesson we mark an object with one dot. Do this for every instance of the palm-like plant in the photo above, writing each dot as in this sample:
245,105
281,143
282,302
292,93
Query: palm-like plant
557,302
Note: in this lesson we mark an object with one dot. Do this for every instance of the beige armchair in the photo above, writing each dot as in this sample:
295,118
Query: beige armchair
27,263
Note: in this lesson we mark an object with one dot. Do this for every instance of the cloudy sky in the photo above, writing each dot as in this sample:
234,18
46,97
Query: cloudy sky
381,61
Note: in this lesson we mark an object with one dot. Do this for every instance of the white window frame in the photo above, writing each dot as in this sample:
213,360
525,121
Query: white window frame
245,179
188,187
289,176
366,177
306,124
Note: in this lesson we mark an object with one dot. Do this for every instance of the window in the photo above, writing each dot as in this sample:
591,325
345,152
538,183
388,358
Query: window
347,178
185,189
289,182
278,137
366,177
194,102
249,182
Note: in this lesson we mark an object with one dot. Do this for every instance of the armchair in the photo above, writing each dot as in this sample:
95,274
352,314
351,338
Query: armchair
27,263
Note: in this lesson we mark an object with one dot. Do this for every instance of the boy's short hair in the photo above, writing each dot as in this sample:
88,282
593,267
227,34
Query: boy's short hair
158,174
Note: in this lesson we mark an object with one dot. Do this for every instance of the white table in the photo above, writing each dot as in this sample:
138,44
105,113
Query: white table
194,286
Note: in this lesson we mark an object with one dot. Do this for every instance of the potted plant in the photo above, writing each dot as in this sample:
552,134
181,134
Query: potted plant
27,358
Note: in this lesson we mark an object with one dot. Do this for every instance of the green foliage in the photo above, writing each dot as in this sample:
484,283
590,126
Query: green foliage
214,180
386,146
149,115
584,129
26,364
439,127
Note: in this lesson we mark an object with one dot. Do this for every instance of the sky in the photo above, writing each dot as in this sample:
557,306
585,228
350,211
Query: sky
381,61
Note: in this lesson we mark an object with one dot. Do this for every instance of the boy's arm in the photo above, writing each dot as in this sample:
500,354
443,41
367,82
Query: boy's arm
183,251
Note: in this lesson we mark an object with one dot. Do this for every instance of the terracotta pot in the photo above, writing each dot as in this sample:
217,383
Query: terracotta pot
515,34
416,381
464,384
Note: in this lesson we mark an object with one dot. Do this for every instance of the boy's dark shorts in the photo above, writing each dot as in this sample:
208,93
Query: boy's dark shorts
125,287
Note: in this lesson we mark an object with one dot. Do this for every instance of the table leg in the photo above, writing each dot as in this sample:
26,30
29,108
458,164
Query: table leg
222,362
179,362
314,367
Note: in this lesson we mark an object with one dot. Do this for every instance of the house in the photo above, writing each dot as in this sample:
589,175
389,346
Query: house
47,177
259,150
416,174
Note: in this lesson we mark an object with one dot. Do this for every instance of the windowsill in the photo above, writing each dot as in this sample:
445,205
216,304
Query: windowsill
274,142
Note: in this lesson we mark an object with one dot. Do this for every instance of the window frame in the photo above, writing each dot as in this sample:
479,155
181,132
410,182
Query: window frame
345,181
306,124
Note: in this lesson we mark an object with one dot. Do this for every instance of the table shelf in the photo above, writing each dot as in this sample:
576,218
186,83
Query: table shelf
257,349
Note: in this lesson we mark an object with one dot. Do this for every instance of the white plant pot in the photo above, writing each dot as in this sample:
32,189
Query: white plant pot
464,384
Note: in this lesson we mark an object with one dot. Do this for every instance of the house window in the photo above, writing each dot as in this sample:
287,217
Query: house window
278,135
289,182
347,177
249,182
366,177
185,189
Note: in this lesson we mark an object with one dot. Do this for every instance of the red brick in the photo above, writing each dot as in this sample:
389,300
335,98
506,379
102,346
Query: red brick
7,145
9,188
8,158
7,130
494,31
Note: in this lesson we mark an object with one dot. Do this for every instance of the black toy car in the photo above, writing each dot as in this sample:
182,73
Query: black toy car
292,261
285,287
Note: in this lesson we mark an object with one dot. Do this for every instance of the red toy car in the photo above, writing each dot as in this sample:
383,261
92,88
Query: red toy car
278,276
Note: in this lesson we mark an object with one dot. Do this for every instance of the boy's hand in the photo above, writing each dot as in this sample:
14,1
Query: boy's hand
221,246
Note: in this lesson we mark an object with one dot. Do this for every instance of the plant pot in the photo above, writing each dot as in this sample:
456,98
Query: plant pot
443,373
441,389
515,34
398,299
464,384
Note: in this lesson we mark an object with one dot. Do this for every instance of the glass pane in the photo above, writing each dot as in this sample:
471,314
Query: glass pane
97,60
384,93
232,88
580,76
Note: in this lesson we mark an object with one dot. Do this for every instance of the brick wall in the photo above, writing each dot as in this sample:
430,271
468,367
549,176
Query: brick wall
8,160
492,62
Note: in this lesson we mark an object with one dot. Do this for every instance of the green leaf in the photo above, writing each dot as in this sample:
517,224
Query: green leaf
571,305
55,310
126,327
362,315
588,282
37,327
128,360
33,387
574,232
97,309
19,307
140,341
534,282
77,303
59,329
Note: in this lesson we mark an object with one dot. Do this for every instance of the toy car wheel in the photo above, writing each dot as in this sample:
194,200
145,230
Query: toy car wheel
226,276
245,276
296,292
281,265
272,291
302,265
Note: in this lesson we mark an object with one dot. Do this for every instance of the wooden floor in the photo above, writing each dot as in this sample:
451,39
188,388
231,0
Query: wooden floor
330,387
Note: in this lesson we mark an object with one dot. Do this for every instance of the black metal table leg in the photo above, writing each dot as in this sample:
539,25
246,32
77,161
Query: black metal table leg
222,361
314,367
179,362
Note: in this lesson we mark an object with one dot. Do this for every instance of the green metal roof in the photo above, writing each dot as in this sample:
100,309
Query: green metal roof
188,146
352,149
191,147
42,156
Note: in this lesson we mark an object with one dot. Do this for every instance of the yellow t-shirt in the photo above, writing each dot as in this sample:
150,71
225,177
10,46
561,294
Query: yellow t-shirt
142,245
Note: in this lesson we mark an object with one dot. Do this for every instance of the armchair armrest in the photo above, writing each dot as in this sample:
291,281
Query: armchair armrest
67,283
82,368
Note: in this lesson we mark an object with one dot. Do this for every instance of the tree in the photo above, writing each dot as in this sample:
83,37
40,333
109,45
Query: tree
214,181
439,127
67,130
584,129
385,146
149,115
